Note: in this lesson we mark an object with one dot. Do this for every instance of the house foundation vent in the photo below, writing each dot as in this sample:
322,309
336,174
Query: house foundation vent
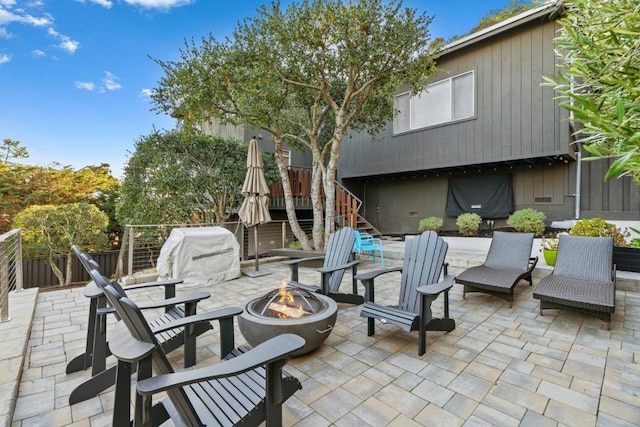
542,200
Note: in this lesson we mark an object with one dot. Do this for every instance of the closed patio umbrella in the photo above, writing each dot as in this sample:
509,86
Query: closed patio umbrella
254,209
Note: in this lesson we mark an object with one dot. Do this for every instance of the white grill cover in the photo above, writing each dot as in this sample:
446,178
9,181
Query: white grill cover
203,255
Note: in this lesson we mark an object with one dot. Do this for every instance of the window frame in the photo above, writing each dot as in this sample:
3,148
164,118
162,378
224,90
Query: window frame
413,99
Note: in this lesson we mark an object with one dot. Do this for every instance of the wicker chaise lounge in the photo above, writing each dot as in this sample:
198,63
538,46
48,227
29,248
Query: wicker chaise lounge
584,278
508,261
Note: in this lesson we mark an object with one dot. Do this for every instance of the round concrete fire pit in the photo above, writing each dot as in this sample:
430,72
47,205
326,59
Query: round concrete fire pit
310,315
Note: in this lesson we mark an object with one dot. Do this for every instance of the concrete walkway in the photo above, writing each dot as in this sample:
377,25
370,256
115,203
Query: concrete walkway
500,366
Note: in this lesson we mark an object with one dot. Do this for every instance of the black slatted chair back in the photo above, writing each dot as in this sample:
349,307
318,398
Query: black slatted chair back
338,252
139,330
86,260
423,262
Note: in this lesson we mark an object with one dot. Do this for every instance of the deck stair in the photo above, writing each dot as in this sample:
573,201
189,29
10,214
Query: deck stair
347,204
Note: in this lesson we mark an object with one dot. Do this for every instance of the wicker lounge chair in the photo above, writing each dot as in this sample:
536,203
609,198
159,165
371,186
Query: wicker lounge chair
508,261
337,259
419,287
584,278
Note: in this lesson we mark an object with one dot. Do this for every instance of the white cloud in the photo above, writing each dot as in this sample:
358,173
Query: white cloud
69,45
66,43
5,34
7,2
38,52
7,16
146,93
110,81
105,3
4,58
158,4
85,85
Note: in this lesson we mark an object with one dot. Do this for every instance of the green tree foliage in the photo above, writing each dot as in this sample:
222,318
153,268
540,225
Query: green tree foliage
50,231
600,79
12,150
178,177
306,74
22,186
496,16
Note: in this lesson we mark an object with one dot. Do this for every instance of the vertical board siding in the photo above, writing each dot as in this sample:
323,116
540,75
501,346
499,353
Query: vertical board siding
516,117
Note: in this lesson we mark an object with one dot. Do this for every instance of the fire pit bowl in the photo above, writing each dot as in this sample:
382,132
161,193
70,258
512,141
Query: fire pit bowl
259,321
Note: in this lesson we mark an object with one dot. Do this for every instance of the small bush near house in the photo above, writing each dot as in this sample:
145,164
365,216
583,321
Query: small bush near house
598,227
432,223
528,221
468,224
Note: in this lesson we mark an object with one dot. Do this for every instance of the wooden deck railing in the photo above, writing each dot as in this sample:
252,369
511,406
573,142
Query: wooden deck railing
347,204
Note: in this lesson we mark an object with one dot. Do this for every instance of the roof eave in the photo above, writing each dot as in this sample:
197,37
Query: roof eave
547,10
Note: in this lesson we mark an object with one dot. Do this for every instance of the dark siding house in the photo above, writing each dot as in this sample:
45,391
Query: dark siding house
485,118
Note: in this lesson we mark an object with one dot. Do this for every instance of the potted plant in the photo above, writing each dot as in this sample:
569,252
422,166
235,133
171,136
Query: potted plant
550,250
627,258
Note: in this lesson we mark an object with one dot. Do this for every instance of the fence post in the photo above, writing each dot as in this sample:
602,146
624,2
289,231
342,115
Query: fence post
18,258
131,248
4,281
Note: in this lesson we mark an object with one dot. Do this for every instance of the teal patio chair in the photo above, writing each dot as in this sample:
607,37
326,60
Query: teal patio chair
366,243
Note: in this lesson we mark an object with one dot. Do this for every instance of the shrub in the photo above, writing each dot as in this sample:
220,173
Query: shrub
431,223
598,227
468,224
528,221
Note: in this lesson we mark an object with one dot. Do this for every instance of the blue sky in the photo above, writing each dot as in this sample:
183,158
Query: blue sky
74,74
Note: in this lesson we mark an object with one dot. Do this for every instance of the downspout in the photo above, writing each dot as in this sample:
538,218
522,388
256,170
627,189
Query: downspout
577,147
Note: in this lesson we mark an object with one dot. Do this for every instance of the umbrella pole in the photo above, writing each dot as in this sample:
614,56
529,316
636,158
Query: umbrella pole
255,242
256,272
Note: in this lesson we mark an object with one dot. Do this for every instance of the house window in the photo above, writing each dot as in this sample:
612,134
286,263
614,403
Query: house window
444,101
286,156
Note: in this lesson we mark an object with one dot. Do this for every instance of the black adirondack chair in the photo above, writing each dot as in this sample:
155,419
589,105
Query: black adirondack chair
508,262
419,287
248,387
339,256
96,348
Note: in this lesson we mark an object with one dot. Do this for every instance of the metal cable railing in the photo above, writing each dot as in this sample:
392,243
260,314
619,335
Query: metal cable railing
141,244
10,269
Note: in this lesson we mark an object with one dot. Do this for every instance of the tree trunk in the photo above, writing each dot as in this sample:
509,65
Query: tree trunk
298,232
318,208
330,179
67,281
57,272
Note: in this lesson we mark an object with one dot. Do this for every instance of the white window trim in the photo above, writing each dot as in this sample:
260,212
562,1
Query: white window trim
413,98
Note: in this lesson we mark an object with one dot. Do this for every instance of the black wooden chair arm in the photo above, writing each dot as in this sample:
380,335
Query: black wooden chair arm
324,270
373,274
273,350
437,288
182,299
532,263
297,261
209,316
168,284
